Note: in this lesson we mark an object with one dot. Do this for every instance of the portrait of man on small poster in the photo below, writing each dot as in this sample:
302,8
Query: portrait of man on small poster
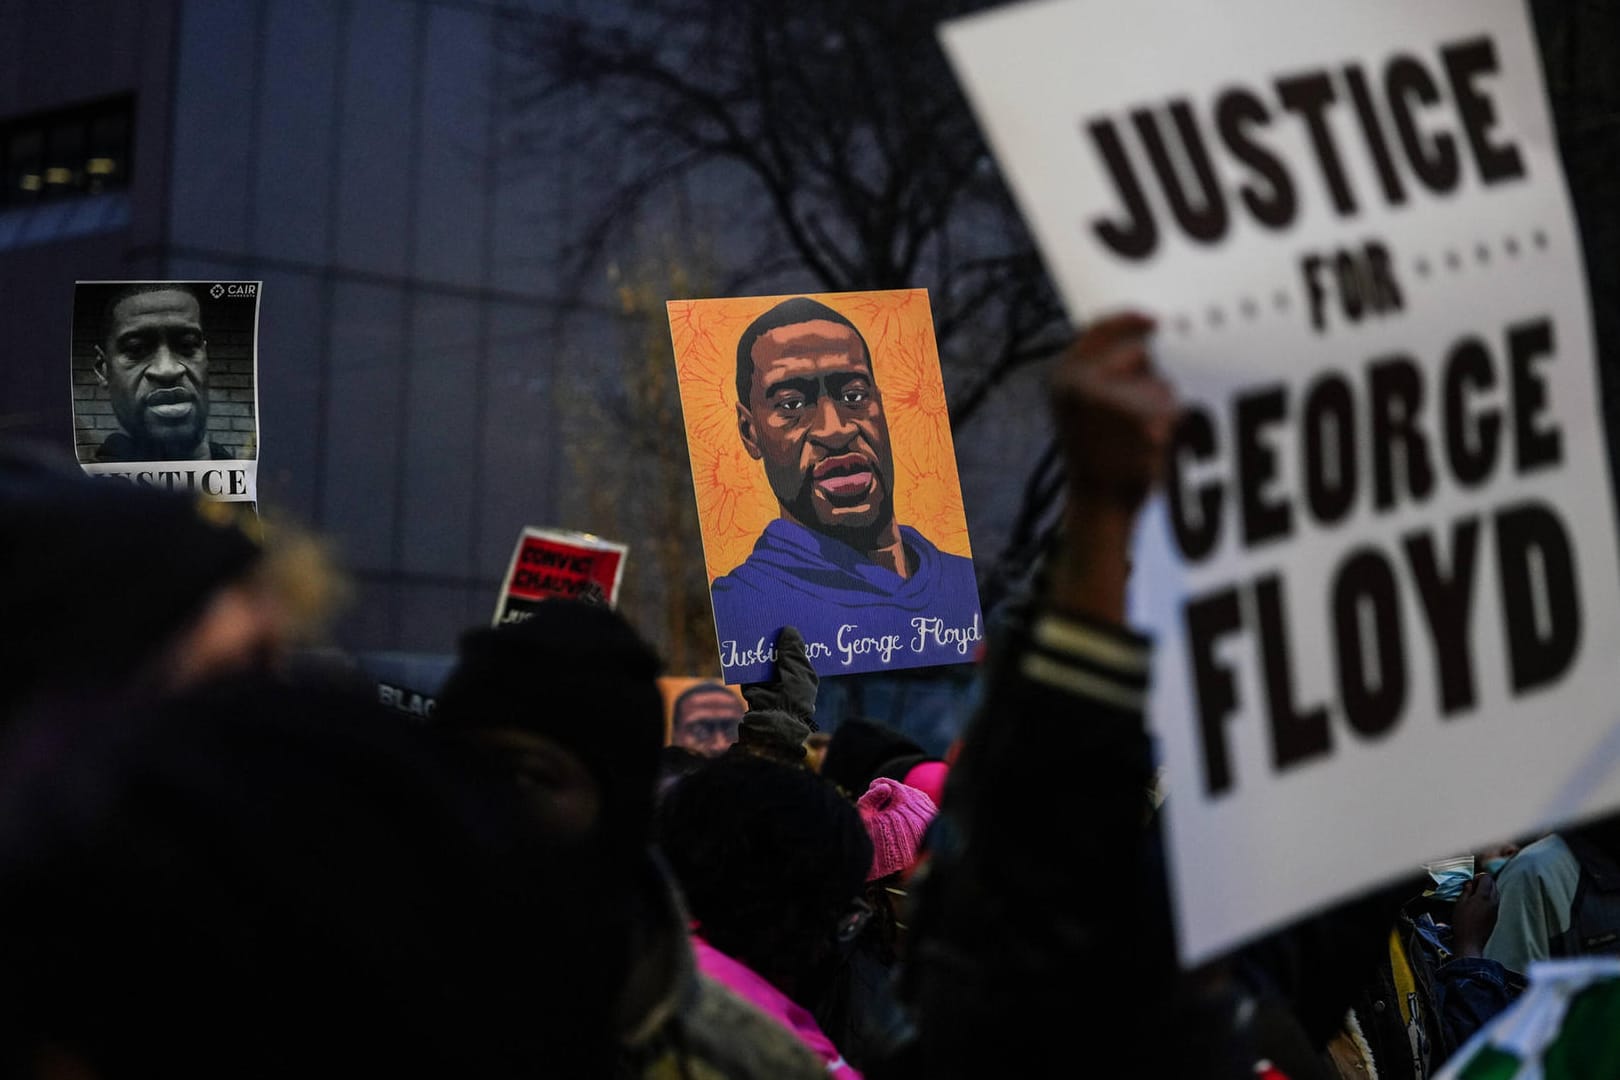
149,359
164,384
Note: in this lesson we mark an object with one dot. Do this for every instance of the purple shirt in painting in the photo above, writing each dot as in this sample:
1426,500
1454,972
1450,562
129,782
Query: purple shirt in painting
855,615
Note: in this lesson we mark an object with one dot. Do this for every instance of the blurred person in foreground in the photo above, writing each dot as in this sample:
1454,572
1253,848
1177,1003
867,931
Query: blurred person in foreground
861,1011
1044,918
565,707
772,860
253,880
863,750
1431,989
108,587
1560,897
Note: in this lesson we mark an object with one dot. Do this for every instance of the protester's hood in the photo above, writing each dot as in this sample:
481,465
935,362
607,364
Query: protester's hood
662,979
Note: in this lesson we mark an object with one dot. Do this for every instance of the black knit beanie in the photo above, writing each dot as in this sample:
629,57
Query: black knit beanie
862,750
768,855
579,674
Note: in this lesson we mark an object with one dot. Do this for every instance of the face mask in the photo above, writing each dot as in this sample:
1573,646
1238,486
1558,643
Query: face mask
1450,875
1494,866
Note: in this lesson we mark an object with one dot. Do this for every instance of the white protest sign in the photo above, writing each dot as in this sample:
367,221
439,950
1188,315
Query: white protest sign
1382,576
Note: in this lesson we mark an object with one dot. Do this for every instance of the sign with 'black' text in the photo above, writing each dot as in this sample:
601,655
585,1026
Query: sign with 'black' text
1382,575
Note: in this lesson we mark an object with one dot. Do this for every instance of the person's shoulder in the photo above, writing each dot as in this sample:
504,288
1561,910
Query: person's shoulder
1547,857
216,452
739,1040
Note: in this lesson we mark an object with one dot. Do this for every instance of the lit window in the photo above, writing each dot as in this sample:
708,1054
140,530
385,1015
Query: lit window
66,152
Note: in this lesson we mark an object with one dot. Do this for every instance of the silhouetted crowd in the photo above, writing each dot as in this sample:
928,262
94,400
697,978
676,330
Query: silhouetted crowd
219,857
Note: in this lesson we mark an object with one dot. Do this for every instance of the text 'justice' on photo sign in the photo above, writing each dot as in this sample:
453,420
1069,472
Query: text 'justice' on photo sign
1381,577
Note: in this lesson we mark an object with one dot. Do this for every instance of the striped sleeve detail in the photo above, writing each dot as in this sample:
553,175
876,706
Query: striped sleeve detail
1078,681
1118,649
1106,664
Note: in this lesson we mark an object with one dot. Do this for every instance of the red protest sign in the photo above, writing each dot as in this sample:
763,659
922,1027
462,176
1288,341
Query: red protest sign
552,564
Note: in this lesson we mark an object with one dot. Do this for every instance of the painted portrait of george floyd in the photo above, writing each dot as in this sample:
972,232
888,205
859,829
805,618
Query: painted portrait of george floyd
164,374
826,481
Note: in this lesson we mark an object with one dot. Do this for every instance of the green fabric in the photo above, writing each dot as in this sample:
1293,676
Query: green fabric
1565,1027
1588,1043
1491,1064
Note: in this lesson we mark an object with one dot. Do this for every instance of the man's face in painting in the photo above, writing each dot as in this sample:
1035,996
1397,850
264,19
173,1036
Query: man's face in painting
154,362
815,418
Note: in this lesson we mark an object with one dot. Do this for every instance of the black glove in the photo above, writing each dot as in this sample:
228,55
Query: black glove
793,690
781,712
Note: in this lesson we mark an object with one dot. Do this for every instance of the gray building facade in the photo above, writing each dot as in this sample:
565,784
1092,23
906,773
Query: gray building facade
348,154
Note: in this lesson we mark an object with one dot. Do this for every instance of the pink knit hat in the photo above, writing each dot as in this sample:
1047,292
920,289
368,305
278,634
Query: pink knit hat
896,816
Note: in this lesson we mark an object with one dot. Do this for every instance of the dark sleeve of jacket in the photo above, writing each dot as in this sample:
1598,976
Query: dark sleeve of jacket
1041,926
1316,966
1468,993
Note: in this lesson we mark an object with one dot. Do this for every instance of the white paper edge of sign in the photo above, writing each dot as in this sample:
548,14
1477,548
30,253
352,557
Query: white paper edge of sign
258,428
946,32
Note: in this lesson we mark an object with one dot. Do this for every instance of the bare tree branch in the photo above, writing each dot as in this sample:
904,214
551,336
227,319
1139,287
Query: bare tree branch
843,115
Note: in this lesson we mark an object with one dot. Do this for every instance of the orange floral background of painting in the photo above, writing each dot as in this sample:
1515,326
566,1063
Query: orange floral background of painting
735,502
